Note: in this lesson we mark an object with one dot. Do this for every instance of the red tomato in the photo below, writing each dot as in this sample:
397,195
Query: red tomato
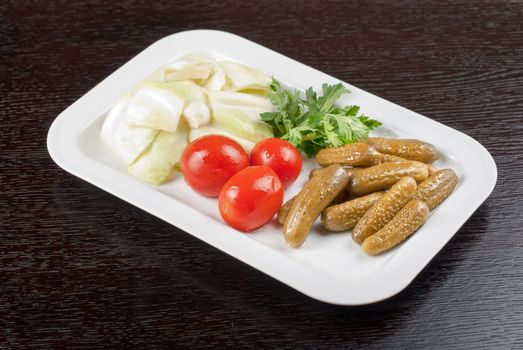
209,161
281,156
251,198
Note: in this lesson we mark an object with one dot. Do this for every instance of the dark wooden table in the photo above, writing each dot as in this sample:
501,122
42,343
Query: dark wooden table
80,268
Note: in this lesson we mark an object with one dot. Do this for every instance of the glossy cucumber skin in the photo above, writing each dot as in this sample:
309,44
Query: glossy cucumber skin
354,154
437,187
284,210
383,176
384,209
315,196
345,216
432,170
407,221
359,154
406,148
387,158
350,170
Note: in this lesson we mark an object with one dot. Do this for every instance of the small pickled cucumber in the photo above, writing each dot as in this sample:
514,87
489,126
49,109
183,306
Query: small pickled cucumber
284,210
345,216
437,187
354,154
407,221
383,176
406,148
315,196
384,209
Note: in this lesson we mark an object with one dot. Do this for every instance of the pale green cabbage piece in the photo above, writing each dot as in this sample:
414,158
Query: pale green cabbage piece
241,77
211,129
239,113
197,71
155,105
196,110
217,80
157,76
156,164
126,141
192,67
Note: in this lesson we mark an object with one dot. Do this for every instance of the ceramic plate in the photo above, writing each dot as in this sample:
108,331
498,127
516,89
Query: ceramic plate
329,267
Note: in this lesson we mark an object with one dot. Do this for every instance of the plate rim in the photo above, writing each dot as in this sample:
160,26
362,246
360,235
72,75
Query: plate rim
65,151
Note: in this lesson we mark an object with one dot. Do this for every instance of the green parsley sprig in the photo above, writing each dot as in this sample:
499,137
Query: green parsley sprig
314,122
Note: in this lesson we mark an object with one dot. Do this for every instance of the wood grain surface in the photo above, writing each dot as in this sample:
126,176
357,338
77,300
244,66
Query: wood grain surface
82,269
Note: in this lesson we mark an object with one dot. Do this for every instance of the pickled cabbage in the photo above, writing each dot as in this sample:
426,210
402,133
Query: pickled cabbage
156,164
217,80
194,96
196,110
213,129
239,113
193,67
240,77
155,105
126,141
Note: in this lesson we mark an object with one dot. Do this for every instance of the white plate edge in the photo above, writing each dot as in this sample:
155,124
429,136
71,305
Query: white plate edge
336,298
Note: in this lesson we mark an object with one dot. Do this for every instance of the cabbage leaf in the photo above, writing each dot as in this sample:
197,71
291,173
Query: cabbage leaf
196,110
240,77
211,129
155,105
126,141
156,164
239,113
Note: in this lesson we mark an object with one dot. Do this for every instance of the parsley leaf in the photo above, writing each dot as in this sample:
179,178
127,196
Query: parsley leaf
314,122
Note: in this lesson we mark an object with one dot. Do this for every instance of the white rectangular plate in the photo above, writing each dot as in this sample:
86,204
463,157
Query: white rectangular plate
329,267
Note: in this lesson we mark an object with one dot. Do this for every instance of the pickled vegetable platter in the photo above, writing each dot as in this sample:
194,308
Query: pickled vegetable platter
330,265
